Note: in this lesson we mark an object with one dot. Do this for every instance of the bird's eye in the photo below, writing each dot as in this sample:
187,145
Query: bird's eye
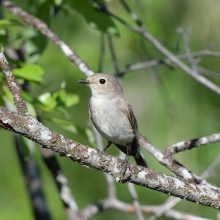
102,81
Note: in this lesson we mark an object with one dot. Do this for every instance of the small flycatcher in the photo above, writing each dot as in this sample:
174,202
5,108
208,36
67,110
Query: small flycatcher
112,115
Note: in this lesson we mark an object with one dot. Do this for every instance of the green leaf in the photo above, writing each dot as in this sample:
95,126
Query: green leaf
94,18
48,100
67,99
90,136
66,125
29,72
26,145
7,94
31,109
5,23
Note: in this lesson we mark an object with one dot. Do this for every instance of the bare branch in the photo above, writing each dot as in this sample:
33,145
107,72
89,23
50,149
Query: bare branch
114,59
135,201
42,27
13,86
102,52
165,207
171,202
209,73
152,63
188,145
166,160
141,30
112,203
61,181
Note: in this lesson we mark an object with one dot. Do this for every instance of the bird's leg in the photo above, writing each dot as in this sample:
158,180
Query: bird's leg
108,145
125,162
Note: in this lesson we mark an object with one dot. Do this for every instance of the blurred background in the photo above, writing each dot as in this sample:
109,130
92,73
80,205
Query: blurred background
170,106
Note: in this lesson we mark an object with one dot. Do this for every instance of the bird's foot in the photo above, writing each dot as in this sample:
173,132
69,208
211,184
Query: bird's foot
125,165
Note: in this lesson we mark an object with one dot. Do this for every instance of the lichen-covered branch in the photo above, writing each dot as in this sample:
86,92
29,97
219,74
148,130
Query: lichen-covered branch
189,144
34,130
13,86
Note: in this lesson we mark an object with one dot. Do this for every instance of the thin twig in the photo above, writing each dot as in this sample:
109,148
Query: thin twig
61,181
102,53
136,203
141,30
152,63
208,172
209,73
112,50
189,144
170,203
186,35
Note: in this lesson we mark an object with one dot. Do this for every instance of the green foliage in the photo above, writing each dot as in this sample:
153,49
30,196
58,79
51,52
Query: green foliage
7,23
53,101
94,18
170,106
31,72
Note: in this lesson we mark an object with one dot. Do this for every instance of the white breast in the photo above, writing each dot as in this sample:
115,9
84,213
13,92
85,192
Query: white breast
111,121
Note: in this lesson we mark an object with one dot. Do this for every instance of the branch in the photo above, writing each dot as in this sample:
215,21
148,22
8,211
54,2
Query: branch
171,202
152,63
42,27
141,30
13,86
188,145
29,127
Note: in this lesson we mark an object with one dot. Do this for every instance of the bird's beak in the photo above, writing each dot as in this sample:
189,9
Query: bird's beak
84,81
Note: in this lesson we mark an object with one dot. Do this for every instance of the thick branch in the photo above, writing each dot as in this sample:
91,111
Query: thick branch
34,130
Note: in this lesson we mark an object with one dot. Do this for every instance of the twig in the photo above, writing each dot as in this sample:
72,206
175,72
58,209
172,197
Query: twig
218,214
13,86
188,145
102,52
42,27
141,30
114,59
171,202
186,35
152,63
207,173
209,73
93,209
136,203
166,160
61,181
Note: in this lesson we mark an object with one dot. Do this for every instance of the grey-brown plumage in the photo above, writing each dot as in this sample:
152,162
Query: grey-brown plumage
112,115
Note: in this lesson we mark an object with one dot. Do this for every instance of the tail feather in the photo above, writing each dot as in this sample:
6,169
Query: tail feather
139,158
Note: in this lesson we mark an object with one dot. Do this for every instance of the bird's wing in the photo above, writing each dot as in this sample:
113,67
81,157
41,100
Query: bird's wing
131,117
91,118
89,113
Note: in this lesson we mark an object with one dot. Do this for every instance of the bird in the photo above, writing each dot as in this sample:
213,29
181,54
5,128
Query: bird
112,115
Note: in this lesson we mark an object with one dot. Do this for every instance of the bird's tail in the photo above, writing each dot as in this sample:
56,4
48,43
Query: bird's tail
139,158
